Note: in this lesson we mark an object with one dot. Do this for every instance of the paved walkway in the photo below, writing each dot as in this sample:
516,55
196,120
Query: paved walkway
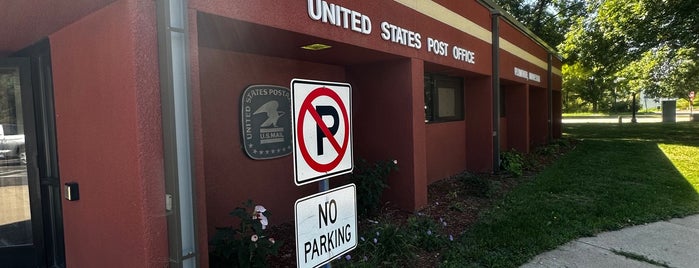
673,243
652,118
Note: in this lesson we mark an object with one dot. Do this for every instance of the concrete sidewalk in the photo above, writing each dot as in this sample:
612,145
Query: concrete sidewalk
673,243
644,118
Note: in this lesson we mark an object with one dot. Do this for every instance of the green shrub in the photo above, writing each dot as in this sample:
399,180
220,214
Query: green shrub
371,181
512,162
382,245
624,106
247,245
476,185
426,233
392,245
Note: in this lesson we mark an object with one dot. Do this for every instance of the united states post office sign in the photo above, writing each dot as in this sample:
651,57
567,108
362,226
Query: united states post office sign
265,122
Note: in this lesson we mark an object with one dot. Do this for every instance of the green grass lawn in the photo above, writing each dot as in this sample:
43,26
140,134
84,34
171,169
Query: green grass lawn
617,176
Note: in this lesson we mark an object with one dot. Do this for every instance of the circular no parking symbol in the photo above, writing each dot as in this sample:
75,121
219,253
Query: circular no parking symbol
322,130
327,132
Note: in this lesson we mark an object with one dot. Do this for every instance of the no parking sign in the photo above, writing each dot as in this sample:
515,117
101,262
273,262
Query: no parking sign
322,129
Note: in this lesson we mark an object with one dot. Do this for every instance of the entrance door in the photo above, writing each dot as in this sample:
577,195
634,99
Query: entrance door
31,230
17,189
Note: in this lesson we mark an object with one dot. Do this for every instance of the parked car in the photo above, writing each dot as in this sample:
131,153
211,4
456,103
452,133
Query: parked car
12,143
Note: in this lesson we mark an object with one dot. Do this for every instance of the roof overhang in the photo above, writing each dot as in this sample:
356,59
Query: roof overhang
25,22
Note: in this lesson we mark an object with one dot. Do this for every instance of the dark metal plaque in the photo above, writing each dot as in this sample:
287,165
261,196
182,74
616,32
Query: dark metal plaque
265,122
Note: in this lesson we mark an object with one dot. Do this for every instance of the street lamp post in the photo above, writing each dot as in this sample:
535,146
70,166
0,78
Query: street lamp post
633,108
691,105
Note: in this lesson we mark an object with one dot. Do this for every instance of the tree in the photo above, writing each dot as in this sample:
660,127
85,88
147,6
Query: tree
651,24
582,92
587,47
637,76
675,75
614,48
8,87
664,36
548,19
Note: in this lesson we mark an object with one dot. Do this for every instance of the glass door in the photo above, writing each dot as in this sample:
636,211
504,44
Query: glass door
19,190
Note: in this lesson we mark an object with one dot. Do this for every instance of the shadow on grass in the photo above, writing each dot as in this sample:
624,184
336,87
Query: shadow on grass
684,133
616,177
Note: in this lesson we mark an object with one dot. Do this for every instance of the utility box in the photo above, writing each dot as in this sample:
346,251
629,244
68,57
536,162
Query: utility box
669,111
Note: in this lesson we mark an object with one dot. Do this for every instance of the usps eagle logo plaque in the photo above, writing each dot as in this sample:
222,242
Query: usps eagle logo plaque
266,121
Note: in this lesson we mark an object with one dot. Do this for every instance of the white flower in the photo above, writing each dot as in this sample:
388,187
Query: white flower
395,162
271,240
258,215
260,208
254,238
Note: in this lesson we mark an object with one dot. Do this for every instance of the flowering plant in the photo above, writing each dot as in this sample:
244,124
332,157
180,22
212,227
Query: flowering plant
247,245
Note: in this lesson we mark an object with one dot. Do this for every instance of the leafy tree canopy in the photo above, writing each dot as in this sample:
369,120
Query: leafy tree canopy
663,38
650,24
614,48
548,19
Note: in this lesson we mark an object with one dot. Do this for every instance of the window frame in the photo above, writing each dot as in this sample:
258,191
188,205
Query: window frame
433,82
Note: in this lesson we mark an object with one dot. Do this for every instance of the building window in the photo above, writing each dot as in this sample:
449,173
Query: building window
444,98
